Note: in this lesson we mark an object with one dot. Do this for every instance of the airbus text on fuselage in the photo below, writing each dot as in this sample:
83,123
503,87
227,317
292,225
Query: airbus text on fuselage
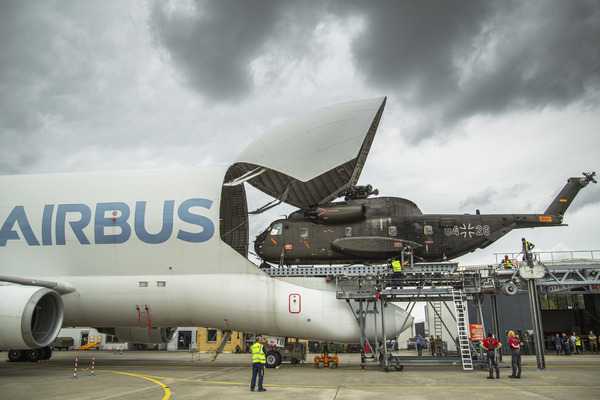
102,217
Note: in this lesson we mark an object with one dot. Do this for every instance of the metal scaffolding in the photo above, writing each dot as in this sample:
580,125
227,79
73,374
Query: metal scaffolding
439,282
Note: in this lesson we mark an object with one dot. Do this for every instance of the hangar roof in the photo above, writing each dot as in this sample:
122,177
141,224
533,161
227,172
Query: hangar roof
312,158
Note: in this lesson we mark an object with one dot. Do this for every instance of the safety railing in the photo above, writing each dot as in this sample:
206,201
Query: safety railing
562,256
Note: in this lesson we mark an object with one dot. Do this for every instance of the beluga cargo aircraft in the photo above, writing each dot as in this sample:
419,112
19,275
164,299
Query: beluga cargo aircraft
138,253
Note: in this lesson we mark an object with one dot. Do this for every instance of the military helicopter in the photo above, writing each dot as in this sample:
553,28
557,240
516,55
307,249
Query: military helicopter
367,230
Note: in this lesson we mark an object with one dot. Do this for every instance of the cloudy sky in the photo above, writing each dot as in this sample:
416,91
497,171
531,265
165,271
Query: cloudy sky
491,105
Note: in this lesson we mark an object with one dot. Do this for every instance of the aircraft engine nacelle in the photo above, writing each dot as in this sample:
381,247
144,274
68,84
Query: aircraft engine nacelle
30,316
145,335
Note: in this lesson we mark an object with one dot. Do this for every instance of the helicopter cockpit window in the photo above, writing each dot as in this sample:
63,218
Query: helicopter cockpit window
304,232
348,231
392,230
277,229
428,230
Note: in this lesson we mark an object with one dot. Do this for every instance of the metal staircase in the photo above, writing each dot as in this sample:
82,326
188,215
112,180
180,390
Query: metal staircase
462,321
225,336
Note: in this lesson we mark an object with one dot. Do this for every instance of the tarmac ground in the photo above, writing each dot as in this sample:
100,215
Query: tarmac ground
175,375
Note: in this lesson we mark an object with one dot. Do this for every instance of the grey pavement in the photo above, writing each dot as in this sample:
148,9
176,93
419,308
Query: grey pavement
173,375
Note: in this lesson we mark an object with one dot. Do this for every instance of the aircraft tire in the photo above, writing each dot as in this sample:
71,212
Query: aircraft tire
34,355
16,355
273,359
47,353
399,367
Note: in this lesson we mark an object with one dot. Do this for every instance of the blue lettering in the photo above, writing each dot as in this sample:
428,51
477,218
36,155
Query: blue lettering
7,233
47,225
107,217
208,228
76,226
101,222
166,230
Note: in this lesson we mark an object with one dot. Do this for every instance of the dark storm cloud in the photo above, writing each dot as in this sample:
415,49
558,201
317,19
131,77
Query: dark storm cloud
23,79
214,44
409,45
453,60
46,77
446,60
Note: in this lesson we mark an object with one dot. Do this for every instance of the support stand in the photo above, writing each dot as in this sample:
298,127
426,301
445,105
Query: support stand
536,319
362,334
385,349
495,320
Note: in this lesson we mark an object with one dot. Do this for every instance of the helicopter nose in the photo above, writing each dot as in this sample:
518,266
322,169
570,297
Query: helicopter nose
259,241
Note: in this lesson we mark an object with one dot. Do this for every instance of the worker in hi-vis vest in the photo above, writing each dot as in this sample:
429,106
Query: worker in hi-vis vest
527,254
506,264
258,364
398,274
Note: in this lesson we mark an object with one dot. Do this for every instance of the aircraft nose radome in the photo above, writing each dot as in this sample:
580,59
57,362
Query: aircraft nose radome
402,318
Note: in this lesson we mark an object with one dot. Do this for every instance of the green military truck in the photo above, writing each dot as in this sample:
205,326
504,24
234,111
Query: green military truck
62,343
281,349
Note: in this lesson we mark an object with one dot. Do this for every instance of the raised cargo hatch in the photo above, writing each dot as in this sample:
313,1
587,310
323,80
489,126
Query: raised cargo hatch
312,158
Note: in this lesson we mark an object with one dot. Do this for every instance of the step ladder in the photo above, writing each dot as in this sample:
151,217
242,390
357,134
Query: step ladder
225,336
437,319
462,321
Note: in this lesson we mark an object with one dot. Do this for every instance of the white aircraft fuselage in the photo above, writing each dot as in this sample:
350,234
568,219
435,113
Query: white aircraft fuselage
141,249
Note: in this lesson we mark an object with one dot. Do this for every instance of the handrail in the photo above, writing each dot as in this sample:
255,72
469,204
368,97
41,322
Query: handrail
559,255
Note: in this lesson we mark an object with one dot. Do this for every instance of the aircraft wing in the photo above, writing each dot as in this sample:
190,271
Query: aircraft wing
312,158
59,287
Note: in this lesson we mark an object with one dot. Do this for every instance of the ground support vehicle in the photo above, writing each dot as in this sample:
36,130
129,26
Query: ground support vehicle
293,351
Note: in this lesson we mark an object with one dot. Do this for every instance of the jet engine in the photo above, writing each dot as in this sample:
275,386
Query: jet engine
142,335
30,316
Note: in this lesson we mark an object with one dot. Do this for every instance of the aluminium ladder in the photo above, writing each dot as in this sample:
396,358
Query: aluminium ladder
437,318
462,321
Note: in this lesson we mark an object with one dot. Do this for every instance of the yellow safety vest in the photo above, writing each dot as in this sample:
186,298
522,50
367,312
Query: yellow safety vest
258,354
397,266
577,341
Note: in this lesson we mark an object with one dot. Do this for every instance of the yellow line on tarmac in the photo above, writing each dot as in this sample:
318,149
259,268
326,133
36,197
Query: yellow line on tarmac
504,387
200,381
165,387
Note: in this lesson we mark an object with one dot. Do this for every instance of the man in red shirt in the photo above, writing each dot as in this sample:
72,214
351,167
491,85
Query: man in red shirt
515,348
491,345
